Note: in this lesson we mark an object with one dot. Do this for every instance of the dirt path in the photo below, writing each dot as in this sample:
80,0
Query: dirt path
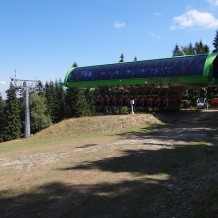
155,173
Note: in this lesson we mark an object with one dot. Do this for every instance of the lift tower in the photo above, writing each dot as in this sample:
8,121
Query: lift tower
27,86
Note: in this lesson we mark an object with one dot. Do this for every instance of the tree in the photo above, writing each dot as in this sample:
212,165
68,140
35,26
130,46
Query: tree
121,58
69,101
188,50
75,64
1,117
89,94
135,58
189,96
55,94
59,107
11,119
177,51
200,48
76,103
39,87
81,106
50,96
38,117
215,42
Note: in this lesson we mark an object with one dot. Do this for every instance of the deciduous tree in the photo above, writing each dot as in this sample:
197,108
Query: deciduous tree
39,119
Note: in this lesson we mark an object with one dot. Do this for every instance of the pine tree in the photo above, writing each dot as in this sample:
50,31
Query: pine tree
89,94
39,87
200,48
75,64
50,96
81,106
38,117
69,99
188,50
189,96
121,58
76,103
59,107
215,42
177,51
11,119
1,117
135,58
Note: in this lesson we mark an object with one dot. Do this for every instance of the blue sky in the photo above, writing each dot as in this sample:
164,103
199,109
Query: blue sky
43,38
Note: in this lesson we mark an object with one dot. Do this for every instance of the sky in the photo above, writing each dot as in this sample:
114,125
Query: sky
41,39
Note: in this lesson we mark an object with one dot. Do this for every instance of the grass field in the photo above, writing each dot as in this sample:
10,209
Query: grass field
114,166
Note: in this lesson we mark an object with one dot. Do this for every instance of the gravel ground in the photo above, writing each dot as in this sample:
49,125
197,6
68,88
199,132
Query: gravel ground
130,174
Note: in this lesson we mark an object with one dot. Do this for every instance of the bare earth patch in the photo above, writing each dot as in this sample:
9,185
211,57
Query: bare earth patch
111,166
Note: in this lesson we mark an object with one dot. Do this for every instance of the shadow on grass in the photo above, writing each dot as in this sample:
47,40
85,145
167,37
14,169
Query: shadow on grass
125,199
190,161
87,146
146,162
189,141
188,164
142,196
187,126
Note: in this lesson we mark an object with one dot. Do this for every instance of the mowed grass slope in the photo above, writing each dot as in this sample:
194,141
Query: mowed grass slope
114,166
74,129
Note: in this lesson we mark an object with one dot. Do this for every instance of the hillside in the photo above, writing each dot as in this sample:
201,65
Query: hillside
111,124
124,165
98,124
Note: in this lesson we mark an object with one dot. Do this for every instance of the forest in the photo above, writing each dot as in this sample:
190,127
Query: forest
51,102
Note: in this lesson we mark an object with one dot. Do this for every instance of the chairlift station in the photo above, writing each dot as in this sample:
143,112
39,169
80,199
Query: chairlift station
156,83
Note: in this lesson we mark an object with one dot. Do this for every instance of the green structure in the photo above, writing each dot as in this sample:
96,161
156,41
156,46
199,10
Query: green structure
182,70
150,82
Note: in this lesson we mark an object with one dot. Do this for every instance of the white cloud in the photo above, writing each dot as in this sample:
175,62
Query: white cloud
154,35
213,2
3,83
195,19
119,25
157,14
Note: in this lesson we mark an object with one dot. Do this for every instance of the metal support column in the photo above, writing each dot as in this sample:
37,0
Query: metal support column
27,112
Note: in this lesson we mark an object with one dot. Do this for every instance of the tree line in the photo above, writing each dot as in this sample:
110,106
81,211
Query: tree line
190,96
52,103
49,104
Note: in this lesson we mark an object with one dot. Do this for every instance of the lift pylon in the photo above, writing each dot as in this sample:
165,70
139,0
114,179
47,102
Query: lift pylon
27,86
